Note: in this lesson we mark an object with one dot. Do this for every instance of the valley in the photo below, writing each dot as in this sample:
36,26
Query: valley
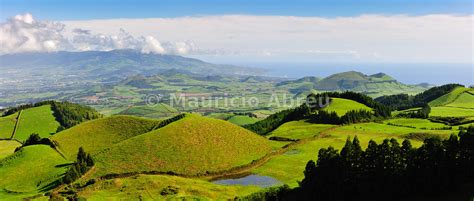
368,100
163,152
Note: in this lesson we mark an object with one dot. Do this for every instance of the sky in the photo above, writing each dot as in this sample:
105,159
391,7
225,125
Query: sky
312,31
100,9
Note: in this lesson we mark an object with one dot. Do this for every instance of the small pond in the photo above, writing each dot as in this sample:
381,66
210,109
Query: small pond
253,179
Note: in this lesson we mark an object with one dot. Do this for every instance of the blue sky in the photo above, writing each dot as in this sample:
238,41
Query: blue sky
105,9
342,31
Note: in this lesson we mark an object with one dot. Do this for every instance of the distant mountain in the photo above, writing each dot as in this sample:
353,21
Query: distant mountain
308,79
352,80
116,63
373,85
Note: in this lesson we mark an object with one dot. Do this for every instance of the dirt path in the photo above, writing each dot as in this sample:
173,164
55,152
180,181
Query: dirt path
16,124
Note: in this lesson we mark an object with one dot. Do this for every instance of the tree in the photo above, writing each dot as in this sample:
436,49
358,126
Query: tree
34,138
83,163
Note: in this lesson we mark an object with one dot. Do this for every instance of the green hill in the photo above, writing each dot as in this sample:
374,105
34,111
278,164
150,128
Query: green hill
465,100
341,106
301,85
31,170
381,77
192,145
342,81
449,97
457,103
36,120
434,96
151,111
99,134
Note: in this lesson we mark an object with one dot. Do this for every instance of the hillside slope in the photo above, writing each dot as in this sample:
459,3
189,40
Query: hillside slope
341,106
457,103
449,97
192,145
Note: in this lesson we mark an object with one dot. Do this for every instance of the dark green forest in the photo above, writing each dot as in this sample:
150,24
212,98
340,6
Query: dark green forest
405,101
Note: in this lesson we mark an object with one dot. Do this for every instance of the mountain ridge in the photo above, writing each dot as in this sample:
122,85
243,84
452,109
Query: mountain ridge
119,62
374,85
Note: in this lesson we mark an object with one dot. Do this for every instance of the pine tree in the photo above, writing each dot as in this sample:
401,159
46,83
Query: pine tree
89,160
81,155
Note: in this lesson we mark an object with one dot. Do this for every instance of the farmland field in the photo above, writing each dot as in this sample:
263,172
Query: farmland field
31,170
451,112
36,120
299,129
382,131
418,123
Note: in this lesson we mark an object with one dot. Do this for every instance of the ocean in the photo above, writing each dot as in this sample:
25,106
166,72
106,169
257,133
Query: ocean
437,74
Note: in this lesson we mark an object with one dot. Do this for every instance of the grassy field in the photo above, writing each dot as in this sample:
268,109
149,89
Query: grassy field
99,134
7,147
192,145
418,123
30,170
377,130
7,125
242,120
451,112
36,120
289,167
449,97
341,106
299,129
149,187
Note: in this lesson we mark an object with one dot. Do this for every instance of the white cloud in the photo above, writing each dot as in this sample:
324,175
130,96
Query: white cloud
427,38
22,33
152,45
